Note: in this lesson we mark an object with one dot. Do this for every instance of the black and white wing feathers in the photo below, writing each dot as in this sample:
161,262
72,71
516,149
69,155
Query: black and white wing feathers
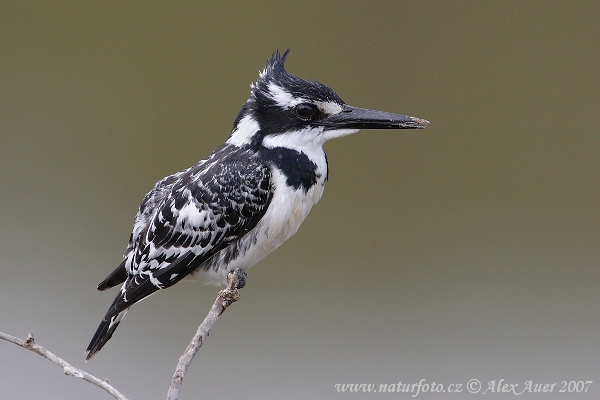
144,216
185,220
202,211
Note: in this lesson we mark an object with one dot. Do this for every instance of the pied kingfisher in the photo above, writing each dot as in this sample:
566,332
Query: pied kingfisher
248,197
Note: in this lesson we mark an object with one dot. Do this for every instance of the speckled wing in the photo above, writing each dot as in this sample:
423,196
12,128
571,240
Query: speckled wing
196,213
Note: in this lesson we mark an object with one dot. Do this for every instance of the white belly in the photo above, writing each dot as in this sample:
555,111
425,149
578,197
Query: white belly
287,210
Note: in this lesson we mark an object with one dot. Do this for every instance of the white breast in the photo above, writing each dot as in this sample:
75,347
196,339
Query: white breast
287,210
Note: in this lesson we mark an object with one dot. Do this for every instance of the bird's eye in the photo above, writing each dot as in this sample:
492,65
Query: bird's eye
306,111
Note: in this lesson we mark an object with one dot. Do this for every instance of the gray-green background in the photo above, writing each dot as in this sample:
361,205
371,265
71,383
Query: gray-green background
468,250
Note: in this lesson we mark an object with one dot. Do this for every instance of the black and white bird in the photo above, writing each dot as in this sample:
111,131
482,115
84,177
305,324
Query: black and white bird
248,197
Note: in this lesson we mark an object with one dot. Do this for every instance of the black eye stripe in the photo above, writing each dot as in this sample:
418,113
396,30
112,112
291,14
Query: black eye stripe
307,111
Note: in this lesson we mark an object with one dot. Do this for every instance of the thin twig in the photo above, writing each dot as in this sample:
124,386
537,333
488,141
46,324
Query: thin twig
68,369
237,280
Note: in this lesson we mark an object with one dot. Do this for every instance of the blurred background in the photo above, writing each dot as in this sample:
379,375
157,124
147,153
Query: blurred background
468,250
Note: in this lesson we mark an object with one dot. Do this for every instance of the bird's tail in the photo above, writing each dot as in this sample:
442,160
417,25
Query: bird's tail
103,334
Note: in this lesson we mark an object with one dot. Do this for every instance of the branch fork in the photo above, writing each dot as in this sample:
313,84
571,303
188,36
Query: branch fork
226,297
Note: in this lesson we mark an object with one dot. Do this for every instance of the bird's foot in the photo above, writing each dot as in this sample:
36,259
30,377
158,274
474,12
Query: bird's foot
236,280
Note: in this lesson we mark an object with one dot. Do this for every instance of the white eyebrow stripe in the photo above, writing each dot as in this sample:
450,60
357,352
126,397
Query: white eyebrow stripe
282,97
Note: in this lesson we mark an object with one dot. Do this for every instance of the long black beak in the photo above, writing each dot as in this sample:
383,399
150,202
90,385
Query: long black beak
362,118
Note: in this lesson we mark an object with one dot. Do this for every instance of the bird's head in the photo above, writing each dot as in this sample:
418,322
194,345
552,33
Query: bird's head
287,111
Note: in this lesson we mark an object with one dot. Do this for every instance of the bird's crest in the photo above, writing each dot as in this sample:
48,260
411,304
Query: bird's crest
275,87
275,65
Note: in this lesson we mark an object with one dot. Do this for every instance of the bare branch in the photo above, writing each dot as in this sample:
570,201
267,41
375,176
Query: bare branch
68,369
227,296
237,280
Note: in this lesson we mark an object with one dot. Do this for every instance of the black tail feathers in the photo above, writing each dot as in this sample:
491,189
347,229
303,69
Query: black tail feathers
103,334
